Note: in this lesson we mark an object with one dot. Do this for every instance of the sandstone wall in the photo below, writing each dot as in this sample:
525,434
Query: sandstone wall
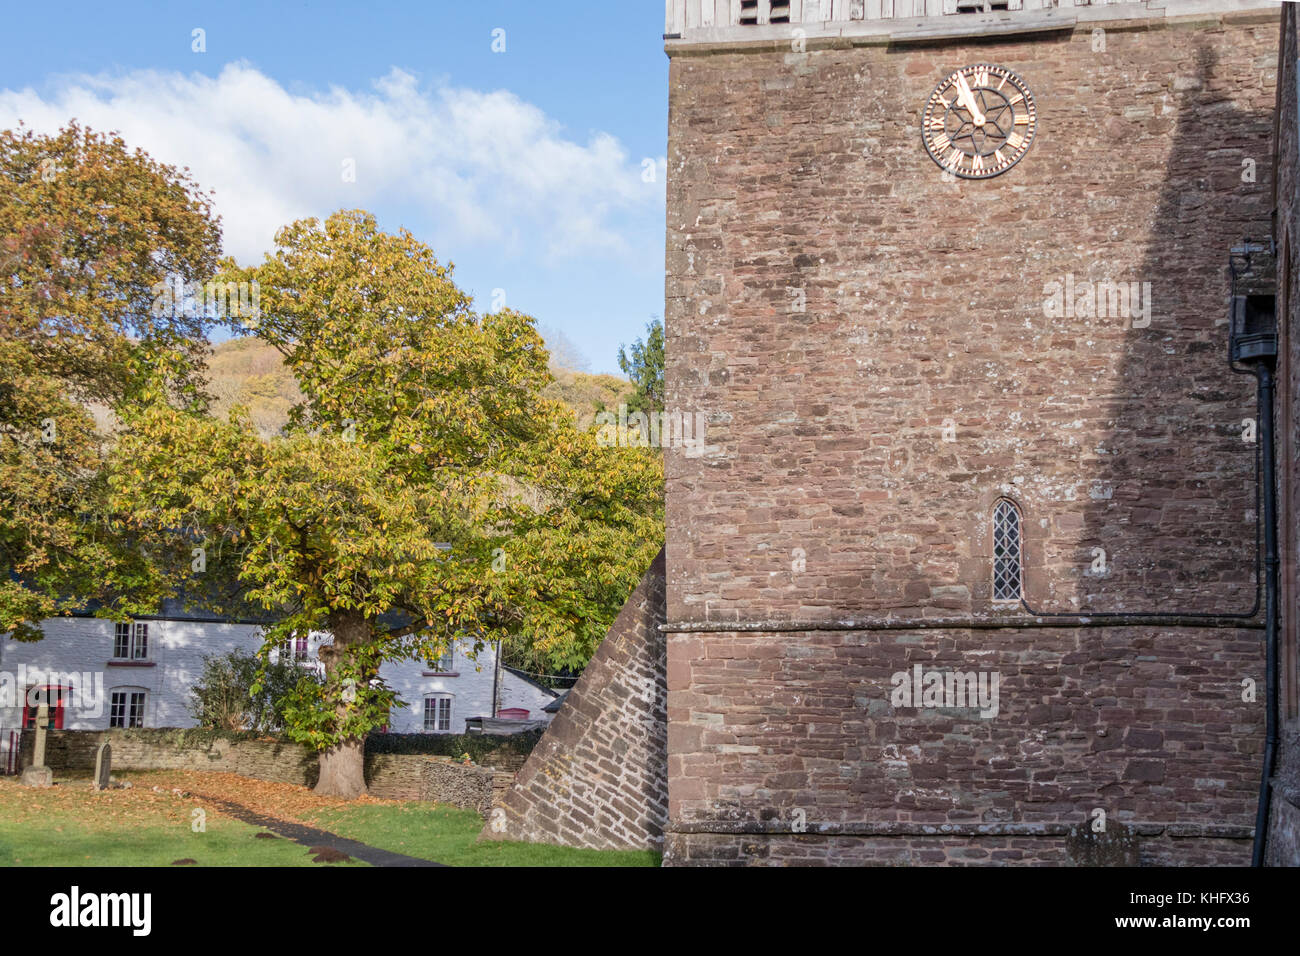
865,438
598,776
797,736
871,344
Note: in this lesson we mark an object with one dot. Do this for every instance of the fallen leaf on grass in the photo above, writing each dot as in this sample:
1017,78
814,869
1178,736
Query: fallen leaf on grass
328,854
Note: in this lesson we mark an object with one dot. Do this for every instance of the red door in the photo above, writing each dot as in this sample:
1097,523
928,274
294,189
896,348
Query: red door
56,702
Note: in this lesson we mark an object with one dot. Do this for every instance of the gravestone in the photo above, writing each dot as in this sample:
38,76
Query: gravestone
103,765
39,775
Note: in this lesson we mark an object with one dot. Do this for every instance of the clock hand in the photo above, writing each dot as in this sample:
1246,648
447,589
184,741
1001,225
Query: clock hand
967,99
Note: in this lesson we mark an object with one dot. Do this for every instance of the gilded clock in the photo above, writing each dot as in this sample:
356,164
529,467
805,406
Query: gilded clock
980,121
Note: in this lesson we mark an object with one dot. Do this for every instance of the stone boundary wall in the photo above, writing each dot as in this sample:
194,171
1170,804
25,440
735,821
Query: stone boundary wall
388,776
598,777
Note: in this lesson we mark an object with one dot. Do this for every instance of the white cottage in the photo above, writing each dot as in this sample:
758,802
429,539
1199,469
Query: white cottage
102,674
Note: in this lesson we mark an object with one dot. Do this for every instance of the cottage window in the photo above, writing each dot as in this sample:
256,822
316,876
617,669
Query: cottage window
55,698
126,708
294,649
131,641
437,714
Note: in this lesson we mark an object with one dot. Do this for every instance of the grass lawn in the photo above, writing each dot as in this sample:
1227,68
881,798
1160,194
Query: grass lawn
72,825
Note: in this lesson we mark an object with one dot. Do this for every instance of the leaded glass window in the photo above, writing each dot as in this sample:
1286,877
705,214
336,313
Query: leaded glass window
1007,565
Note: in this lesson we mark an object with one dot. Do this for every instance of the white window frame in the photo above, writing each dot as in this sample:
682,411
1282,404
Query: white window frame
437,708
296,648
128,716
134,635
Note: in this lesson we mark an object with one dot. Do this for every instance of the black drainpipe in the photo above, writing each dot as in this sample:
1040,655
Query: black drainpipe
496,681
1264,374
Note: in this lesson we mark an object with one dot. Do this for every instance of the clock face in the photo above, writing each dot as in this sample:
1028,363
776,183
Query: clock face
979,121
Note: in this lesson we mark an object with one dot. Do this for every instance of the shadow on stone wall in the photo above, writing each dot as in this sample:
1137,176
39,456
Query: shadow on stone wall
1172,498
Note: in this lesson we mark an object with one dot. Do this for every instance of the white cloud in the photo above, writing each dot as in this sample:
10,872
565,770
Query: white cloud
482,167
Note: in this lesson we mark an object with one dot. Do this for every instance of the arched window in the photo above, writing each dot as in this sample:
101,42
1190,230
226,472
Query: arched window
126,706
1008,568
437,713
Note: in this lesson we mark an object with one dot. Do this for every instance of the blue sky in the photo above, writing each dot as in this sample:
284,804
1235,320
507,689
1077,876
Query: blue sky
538,171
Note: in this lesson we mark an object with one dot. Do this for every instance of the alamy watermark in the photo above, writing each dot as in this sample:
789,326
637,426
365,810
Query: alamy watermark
1069,298
125,910
80,693
218,300
954,690
673,429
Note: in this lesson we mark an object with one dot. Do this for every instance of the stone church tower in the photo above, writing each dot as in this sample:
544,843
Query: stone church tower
977,558
967,569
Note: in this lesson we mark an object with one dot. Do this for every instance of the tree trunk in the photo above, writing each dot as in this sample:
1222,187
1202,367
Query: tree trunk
342,767
342,770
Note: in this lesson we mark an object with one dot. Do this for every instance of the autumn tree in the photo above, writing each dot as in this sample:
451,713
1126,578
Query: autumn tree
423,489
88,229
